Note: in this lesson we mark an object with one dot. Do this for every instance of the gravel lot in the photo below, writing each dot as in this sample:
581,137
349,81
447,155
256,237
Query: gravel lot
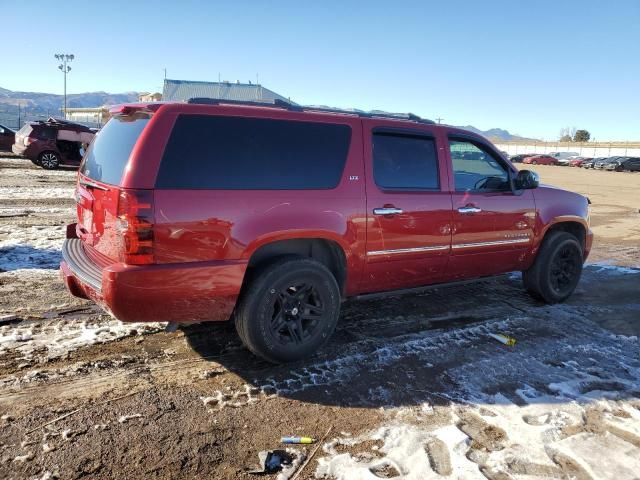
413,387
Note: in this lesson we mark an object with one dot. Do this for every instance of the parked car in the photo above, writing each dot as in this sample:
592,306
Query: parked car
620,164
7,137
52,142
563,155
590,163
273,215
520,157
578,161
600,164
631,164
541,160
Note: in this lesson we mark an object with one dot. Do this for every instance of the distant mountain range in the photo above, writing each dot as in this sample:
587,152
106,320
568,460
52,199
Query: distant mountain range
498,134
51,104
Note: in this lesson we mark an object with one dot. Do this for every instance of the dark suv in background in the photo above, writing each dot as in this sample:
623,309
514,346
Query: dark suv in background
53,142
7,137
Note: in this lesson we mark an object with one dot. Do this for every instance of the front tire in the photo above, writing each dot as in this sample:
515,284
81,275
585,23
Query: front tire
49,160
557,269
288,310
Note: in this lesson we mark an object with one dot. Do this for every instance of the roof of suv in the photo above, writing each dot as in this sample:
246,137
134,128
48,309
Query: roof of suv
277,104
60,124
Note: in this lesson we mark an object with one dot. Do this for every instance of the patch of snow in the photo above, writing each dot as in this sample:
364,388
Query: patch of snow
240,398
614,269
56,338
405,449
35,247
36,192
594,454
25,211
126,418
23,458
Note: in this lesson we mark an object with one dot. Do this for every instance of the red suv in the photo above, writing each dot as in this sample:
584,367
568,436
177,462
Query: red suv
273,215
52,142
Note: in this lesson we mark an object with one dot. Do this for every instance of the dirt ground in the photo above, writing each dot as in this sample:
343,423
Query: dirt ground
411,387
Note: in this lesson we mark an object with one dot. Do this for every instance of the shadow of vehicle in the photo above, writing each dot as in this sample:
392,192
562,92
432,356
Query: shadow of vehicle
437,347
17,257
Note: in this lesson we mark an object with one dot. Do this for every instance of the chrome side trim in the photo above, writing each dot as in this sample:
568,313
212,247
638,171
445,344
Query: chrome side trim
408,250
488,244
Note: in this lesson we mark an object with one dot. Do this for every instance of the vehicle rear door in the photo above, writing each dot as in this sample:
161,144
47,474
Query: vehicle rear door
98,191
408,207
492,228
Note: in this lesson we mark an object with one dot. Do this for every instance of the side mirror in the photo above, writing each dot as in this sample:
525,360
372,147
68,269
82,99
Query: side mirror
526,180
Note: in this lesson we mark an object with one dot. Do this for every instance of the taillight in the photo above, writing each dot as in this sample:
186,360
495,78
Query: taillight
135,224
28,141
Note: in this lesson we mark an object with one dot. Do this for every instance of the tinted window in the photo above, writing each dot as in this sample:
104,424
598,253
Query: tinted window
233,153
45,133
109,152
405,162
25,130
476,169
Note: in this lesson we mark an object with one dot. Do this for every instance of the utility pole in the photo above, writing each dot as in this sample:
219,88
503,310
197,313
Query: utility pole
439,119
64,58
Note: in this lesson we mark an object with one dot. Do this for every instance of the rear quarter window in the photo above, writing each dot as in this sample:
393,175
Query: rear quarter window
237,153
109,152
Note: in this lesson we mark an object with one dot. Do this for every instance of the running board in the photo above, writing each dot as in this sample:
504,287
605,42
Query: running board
426,288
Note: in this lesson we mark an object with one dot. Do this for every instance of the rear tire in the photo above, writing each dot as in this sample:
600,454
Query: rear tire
288,310
557,269
49,160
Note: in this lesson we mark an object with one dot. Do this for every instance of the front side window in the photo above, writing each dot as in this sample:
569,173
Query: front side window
405,162
476,169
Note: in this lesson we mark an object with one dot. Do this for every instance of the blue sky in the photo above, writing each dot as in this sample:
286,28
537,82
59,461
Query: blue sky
531,67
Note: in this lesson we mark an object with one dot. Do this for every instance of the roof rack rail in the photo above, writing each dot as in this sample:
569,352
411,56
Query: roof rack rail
278,103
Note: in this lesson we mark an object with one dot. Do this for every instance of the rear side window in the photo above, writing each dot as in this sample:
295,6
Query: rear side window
235,153
405,162
109,152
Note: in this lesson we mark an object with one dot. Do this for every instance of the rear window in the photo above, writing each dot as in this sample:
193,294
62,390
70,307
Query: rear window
234,153
109,152
25,130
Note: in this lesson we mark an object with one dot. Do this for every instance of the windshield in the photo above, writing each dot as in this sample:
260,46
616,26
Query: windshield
109,152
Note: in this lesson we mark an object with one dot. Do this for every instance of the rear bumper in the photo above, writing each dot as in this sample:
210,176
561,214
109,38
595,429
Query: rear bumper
186,292
18,149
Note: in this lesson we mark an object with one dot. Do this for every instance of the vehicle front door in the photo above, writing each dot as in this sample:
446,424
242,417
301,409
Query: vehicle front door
408,208
492,229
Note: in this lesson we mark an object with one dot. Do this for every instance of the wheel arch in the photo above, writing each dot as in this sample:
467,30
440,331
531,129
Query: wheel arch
325,250
573,224
49,150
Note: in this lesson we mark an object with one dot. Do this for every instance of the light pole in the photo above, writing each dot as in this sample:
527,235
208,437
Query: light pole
64,58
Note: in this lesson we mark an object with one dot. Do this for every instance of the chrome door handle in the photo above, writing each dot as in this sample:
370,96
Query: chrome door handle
467,210
387,211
